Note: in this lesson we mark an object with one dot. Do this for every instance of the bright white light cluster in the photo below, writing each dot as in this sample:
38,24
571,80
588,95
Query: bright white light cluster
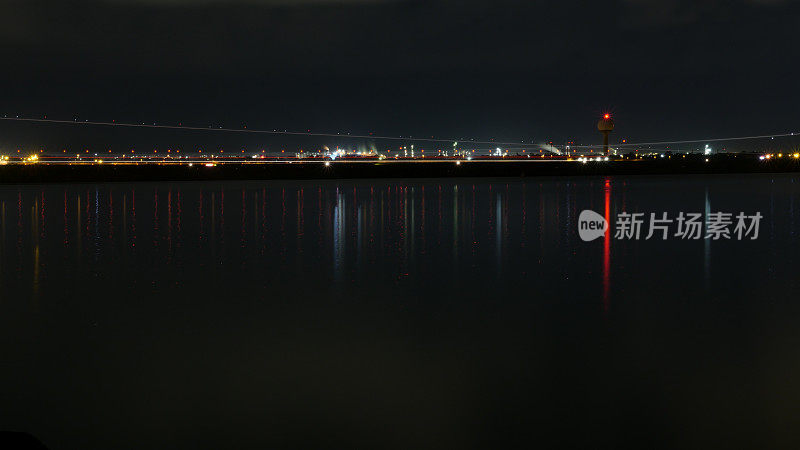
586,159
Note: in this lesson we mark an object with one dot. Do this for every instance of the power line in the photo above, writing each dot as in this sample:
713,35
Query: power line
247,130
395,138
739,138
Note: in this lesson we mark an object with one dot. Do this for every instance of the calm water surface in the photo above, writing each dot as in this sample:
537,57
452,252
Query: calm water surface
392,314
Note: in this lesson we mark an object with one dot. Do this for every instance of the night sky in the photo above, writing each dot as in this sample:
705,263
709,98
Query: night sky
530,70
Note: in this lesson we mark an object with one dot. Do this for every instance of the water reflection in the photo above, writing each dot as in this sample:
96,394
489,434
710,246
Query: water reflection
368,232
462,310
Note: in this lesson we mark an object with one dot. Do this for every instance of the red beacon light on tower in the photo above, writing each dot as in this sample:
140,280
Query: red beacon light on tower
605,126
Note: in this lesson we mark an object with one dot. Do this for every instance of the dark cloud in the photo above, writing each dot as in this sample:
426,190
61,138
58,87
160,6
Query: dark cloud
331,36
643,13
409,66
371,35
196,3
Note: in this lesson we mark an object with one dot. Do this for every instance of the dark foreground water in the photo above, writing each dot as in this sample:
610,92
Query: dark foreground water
389,314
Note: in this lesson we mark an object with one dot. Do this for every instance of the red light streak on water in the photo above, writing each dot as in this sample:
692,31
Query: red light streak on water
387,210
301,222
371,222
422,221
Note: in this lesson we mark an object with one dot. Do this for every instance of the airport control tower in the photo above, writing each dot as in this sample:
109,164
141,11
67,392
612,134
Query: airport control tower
605,125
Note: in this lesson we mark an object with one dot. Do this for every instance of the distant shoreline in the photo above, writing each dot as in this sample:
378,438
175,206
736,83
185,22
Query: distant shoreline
299,170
